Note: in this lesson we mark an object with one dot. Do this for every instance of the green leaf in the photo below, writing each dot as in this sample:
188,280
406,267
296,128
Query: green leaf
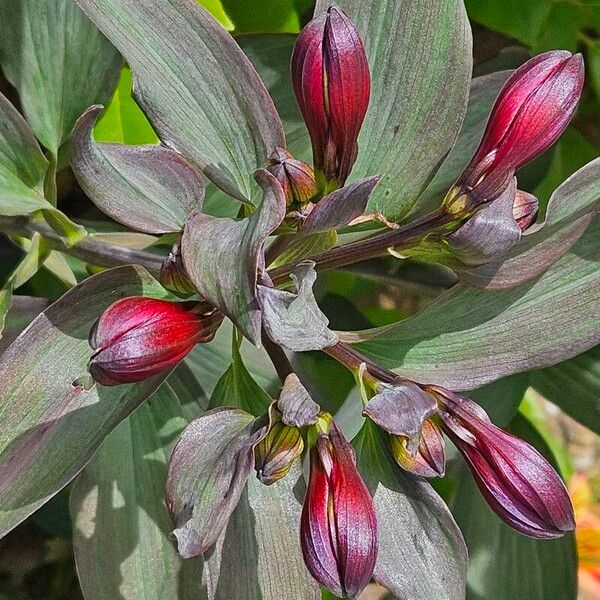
53,419
574,386
22,165
59,63
238,388
258,556
149,188
470,337
215,8
305,245
421,551
503,564
123,121
417,100
122,527
269,16
197,88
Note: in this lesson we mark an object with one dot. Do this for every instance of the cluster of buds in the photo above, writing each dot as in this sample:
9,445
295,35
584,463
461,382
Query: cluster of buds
332,83
138,337
296,178
533,108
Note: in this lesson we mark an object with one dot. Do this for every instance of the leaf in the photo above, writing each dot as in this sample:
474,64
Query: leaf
59,63
503,564
297,407
340,207
197,88
571,209
421,551
238,388
258,555
22,165
470,337
123,121
223,256
121,541
148,188
295,321
417,101
302,246
208,470
574,386
52,424
269,15
483,93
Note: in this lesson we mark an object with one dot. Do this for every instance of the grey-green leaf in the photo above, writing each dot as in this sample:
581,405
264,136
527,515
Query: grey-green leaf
196,86
422,554
223,257
59,63
121,525
469,337
53,418
23,166
148,188
420,59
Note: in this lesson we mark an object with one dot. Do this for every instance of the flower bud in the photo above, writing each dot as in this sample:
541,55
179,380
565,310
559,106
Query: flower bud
533,108
516,481
332,83
338,527
429,460
137,337
295,177
173,276
525,209
276,452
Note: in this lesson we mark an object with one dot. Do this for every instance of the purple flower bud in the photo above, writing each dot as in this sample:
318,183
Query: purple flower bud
517,482
332,83
137,337
173,275
277,451
532,110
525,209
295,177
429,459
338,527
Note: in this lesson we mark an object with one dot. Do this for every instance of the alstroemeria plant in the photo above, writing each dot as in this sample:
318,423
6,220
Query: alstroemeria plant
283,481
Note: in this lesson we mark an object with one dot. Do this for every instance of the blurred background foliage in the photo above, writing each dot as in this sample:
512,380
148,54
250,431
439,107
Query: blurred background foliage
36,559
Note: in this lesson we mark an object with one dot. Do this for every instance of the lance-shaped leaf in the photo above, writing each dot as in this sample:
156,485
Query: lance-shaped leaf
295,403
121,525
208,471
401,410
22,164
53,418
422,554
148,188
223,257
570,211
340,207
196,86
489,233
259,549
469,337
295,321
59,63
404,144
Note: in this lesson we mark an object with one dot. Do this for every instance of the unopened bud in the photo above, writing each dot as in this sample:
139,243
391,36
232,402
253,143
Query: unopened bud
173,275
295,177
525,209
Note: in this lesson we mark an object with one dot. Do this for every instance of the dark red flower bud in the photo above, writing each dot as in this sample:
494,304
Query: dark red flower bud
517,482
338,527
525,209
173,275
331,79
137,337
429,459
533,108
295,177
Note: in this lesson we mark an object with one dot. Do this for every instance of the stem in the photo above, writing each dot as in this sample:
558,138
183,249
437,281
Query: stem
278,357
373,247
352,359
88,249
